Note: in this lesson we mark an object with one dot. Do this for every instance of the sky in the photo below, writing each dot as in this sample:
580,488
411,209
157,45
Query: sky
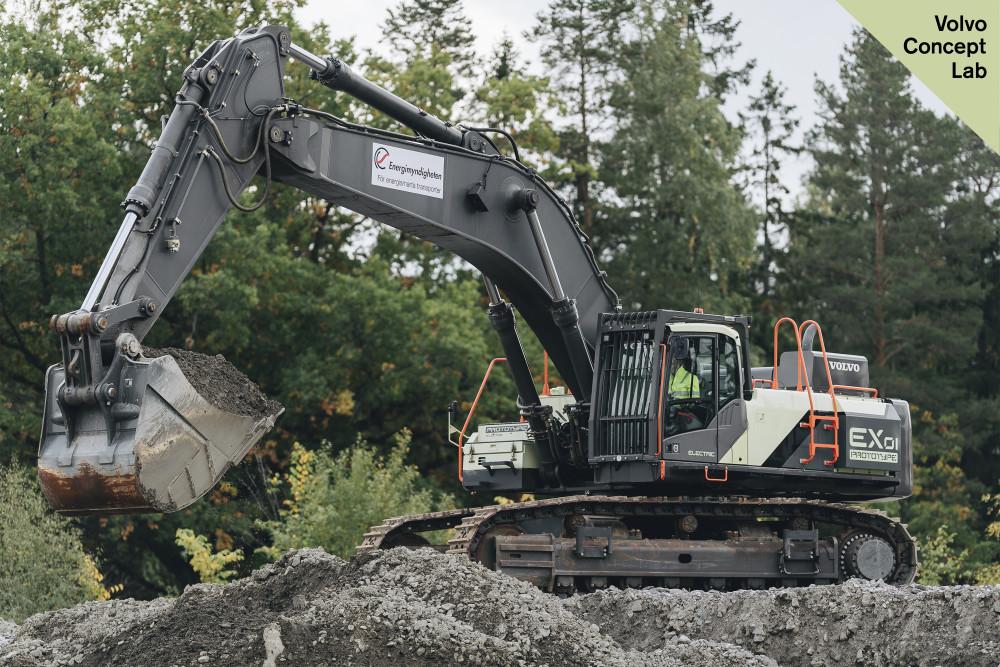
798,40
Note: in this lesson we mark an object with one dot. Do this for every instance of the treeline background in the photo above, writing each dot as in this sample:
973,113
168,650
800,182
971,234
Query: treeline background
366,335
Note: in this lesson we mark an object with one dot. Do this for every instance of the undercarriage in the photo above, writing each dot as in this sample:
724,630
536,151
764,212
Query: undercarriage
586,543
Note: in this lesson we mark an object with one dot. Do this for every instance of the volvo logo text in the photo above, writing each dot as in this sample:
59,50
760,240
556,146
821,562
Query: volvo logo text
846,366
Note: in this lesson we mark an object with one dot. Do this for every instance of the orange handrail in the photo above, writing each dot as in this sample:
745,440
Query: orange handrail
801,372
545,373
472,410
659,403
871,390
659,412
800,369
813,418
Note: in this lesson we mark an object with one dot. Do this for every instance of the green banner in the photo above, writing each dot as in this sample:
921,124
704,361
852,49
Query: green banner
953,46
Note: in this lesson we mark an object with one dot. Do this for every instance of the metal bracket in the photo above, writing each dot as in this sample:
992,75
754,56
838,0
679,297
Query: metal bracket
497,464
583,533
800,546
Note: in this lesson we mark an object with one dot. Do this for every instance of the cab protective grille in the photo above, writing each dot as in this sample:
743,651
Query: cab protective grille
625,396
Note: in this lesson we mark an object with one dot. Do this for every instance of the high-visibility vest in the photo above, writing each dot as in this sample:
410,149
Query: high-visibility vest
684,384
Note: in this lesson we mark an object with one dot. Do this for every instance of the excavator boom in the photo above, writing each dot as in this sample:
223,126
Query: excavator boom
123,432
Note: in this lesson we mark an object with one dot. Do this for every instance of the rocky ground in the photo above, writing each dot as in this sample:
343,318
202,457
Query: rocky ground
421,608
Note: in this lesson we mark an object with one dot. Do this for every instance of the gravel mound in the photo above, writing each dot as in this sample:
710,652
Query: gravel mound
220,383
396,607
856,623
7,630
402,607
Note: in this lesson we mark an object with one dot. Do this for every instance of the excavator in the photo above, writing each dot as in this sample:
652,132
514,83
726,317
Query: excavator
666,460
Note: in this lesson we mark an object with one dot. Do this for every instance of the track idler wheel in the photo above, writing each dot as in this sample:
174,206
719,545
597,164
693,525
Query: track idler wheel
867,556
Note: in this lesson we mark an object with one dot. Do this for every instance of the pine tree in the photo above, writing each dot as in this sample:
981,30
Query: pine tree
677,230
418,28
883,248
581,42
770,125
513,100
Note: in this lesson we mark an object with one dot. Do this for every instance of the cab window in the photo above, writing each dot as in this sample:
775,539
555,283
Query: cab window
689,384
729,371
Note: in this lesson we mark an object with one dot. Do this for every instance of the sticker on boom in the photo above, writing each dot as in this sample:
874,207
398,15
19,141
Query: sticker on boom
410,171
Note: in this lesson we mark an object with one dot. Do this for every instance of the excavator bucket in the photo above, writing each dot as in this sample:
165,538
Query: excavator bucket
159,447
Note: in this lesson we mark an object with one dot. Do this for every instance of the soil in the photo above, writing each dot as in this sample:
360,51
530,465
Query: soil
220,383
856,623
402,607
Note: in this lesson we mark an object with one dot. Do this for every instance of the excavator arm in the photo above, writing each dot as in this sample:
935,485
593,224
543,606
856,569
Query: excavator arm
123,432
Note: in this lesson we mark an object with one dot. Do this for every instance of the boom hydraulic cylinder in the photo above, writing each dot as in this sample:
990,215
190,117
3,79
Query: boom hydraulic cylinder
338,75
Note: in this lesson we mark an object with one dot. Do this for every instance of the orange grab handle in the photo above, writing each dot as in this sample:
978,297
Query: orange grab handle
718,480
472,410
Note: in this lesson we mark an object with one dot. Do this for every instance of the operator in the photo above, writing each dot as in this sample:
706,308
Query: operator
683,383
682,413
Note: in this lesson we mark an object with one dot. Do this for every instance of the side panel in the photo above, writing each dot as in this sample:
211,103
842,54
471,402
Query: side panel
771,416
734,435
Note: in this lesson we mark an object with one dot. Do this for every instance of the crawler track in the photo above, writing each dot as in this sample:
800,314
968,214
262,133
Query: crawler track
472,525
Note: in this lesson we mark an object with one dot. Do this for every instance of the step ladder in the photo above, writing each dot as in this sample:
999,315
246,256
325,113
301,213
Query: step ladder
825,422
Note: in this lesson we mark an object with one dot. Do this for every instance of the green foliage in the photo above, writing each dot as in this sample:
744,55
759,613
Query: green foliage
903,285
42,562
420,29
680,230
770,125
580,43
58,172
333,500
990,573
513,100
941,562
210,565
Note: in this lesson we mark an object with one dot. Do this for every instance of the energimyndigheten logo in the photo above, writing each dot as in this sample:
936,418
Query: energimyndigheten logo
408,170
381,157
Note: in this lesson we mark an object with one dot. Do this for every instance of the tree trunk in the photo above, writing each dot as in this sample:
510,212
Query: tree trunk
44,287
879,277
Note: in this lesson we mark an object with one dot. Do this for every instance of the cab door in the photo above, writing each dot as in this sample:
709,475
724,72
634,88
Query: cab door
689,406
731,436
704,416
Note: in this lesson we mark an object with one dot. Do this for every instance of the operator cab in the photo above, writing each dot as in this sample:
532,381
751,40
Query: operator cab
702,381
675,402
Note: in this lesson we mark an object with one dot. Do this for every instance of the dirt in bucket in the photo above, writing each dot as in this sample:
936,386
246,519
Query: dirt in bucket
220,383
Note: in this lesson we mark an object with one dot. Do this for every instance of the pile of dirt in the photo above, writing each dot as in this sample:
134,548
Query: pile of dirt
856,623
7,630
397,607
220,383
423,608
